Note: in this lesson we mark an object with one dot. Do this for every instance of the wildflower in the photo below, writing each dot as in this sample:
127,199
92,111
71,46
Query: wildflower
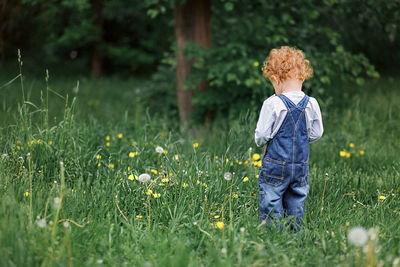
216,216
18,142
204,184
50,142
382,197
228,176
98,164
351,145
149,192
4,156
362,152
342,153
256,156
139,216
347,155
108,138
165,152
245,179
235,195
159,150
98,157
176,157
39,142
185,185
220,225
196,145
18,147
132,154
108,144
255,64
120,135
56,203
129,168
216,157
227,160
240,163
358,236
165,180
197,182
224,251
41,223
144,177
111,165
154,171
26,193
161,184
246,163
73,190
132,177
156,195
99,261
242,229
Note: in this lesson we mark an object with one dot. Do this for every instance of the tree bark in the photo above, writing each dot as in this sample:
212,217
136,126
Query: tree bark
97,58
192,23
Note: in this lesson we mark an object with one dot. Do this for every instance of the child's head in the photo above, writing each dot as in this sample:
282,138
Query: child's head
286,63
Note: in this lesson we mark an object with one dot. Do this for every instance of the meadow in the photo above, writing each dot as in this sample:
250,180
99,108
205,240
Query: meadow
70,192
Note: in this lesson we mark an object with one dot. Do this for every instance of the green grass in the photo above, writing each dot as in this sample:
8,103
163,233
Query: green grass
182,229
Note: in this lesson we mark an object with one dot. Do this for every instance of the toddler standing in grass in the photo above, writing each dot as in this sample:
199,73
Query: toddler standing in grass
289,121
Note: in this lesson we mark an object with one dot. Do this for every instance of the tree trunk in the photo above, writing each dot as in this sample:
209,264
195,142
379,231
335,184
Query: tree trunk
97,58
192,23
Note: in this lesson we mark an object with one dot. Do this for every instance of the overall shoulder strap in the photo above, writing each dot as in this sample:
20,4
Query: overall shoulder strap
303,103
288,103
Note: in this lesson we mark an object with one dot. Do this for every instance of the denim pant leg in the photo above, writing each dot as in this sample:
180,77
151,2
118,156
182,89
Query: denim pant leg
294,199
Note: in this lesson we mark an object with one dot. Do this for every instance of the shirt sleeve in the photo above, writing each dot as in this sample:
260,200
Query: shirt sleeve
263,132
317,128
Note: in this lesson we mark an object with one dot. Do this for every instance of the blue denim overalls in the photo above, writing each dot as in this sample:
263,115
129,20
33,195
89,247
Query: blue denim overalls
283,179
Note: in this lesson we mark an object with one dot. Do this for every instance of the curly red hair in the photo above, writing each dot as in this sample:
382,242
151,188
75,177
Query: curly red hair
286,63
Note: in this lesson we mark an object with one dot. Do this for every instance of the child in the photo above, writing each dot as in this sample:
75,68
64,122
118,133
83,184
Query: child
288,122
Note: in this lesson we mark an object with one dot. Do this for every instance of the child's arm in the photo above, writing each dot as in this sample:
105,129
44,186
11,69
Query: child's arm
316,127
263,132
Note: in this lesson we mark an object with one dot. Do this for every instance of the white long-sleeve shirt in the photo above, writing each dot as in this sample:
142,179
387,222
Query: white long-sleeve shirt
273,113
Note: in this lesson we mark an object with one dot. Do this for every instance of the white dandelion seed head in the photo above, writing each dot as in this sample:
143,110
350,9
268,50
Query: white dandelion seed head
195,223
100,261
66,224
358,236
224,251
4,156
228,176
159,150
176,157
144,178
61,164
185,172
28,155
396,261
57,203
41,223
21,159
242,229
199,172
250,148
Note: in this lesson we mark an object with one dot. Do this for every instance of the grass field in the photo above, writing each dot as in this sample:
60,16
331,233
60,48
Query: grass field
91,209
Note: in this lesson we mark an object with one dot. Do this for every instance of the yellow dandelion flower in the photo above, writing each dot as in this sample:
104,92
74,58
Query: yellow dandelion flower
139,216
170,174
197,182
245,179
347,155
362,152
165,180
351,145
18,142
204,184
30,143
382,197
216,157
220,225
50,142
22,148
246,163
73,190
255,63
154,171
227,160
156,195
240,163
132,177
120,135
98,164
342,153
111,165
129,168
216,217
149,192
257,175
108,144
39,142
98,157
108,138
26,193
185,185
161,184
219,169
235,195
256,156
165,151
231,164
18,147
196,145
131,154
